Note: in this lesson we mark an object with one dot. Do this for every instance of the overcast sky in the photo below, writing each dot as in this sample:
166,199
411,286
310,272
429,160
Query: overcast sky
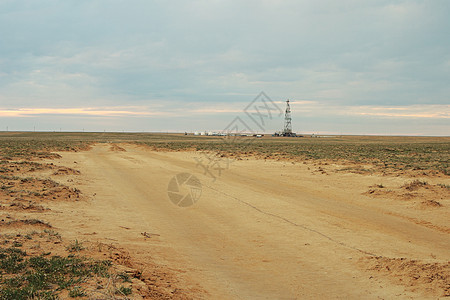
348,67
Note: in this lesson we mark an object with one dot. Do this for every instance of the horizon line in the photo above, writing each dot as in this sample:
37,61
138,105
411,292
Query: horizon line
192,133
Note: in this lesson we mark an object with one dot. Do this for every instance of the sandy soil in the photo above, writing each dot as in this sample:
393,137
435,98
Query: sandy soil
264,229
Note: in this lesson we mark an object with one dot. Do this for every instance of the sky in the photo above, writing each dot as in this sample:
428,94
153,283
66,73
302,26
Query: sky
347,67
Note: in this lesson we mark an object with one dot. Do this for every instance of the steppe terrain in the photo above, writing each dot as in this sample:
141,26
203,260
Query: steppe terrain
277,218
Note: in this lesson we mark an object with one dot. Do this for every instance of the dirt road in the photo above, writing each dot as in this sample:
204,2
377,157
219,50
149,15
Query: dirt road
264,229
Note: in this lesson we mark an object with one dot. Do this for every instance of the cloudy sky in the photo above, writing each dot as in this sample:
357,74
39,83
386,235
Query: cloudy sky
348,67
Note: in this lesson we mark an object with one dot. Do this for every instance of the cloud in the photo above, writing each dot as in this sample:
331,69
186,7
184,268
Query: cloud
298,107
412,111
416,111
86,111
204,54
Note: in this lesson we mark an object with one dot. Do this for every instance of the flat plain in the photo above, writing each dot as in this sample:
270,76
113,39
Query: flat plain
285,218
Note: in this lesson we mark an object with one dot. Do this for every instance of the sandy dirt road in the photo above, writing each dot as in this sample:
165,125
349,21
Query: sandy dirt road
263,230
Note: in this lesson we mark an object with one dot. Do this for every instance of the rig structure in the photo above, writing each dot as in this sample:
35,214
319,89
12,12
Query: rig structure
287,130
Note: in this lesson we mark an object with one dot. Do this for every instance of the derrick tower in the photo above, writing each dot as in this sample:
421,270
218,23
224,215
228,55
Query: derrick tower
287,131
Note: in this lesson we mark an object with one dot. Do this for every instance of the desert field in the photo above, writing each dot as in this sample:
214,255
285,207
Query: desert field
173,216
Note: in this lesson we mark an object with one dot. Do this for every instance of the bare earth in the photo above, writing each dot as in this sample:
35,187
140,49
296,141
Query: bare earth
264,229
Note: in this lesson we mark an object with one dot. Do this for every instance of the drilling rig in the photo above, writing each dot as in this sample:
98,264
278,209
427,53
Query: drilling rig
287,130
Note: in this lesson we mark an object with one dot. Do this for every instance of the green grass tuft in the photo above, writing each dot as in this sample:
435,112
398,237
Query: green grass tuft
43,277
